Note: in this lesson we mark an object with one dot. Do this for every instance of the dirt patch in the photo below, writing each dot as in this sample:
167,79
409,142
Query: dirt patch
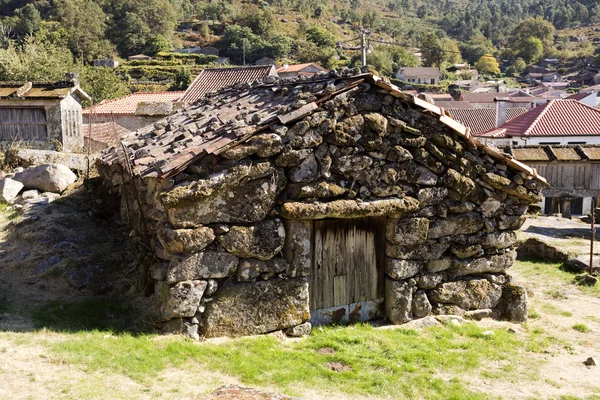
53,255
242,393
338,366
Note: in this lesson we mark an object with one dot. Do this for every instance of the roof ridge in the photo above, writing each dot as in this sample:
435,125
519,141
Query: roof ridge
547,106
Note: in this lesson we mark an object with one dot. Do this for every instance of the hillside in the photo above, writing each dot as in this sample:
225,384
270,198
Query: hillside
41,40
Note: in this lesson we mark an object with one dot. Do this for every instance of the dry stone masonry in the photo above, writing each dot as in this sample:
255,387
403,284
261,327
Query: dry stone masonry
230,189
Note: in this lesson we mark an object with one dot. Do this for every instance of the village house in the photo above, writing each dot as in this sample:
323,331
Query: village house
488,100
588,98
106,62
139,57
281,204
483,119
296,70
105,122
213,79
419,75
558,122
44,115
265,61
573,172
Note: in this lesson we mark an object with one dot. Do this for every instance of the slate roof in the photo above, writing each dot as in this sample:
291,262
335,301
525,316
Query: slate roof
545,153
482,119
213,79
420,71
41,90
555,118
128,105
232,116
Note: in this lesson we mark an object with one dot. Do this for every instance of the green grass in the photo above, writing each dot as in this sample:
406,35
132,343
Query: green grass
401,362
553,310
581,328
553,273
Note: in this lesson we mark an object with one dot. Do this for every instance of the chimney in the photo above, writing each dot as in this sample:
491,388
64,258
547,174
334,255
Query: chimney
501,110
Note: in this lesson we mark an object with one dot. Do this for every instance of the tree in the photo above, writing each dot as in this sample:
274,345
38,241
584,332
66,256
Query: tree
320,37
157,44
432,50
530,49
534,27
102,83
27,20
517,67
183,78
84,22
35,60
135,22
487,65
451,50
475,47
310,52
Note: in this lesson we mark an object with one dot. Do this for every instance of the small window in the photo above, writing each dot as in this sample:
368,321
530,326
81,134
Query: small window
576,142
433,81
550,143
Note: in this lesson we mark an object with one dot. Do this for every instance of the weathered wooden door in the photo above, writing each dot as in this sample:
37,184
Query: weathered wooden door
346,279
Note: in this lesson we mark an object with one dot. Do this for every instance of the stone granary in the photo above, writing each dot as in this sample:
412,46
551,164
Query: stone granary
330,198
44,115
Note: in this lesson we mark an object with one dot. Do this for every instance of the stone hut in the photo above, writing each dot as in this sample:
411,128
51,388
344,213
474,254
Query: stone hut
330,198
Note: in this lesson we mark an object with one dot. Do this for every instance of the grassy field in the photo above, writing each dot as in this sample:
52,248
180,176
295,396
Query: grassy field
452,361
59,343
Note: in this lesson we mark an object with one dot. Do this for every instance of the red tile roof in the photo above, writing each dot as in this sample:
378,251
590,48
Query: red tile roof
420,71
482,119
453,104
128,105
105,132
484,98
555,118
579,96
213,79
299,67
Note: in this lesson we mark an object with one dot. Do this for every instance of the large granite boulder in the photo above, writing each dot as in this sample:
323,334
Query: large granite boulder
9,189
407,231
254,308
469,295
203,265
53,178
239,194
262,241
458,224
186,240
180,300
398,301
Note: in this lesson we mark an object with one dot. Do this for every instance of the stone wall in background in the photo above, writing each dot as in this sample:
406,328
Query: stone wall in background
231,233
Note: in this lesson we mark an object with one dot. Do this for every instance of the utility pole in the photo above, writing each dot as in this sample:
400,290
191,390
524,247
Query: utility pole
244,51
363,48
592,232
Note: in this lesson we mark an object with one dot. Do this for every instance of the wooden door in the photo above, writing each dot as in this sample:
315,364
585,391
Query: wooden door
346,279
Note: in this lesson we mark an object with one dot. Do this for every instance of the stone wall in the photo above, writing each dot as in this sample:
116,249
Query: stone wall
231,234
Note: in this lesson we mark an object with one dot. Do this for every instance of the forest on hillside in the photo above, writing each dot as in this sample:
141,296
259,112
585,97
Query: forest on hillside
41,39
